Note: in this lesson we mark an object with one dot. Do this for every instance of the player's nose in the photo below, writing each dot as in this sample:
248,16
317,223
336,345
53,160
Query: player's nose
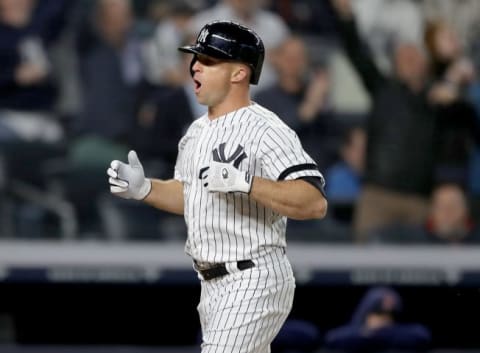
196,67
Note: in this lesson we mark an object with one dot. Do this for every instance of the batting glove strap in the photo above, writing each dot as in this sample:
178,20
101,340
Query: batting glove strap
224,177
144,189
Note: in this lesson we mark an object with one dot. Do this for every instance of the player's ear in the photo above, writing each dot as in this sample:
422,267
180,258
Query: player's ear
240,73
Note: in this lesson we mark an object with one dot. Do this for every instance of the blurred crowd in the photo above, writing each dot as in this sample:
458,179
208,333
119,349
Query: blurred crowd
378,324
384,95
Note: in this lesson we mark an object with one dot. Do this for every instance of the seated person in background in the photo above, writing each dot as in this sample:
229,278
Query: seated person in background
164,116
346,174
111,71
300,93
297,336
28,91
344,177
375,327
163,62
449,222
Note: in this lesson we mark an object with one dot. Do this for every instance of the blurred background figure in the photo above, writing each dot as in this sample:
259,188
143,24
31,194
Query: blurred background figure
31,129
28,29
385,22
268,25
297,336
449,222
453,81
397,182
301,95
376,327
162,59
164,116
111,73
345,177
463,16
447,59
111,70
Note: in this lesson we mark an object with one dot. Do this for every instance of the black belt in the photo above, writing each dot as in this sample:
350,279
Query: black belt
211,271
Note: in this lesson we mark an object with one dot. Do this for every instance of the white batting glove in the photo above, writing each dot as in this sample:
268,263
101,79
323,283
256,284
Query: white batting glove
224,177
128,180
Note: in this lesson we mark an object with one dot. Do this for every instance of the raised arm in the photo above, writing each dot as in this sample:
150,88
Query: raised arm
129,182
356,49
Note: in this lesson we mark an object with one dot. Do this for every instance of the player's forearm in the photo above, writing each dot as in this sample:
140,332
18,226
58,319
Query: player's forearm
166,195
295,199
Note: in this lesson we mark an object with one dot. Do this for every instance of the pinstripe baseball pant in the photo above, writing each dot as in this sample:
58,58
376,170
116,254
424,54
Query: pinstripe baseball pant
243,311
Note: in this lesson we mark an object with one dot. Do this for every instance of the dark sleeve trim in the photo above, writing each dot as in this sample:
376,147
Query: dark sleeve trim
297,168
316,182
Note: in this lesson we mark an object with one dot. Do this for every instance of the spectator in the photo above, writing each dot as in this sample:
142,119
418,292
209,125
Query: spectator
31,131
345,176
301,94
457,123
162,59
297,336
27,87
397,181
164,117
383,22
447,59
375,327
449,222
110,76
266,24
463,16
111,71
306,17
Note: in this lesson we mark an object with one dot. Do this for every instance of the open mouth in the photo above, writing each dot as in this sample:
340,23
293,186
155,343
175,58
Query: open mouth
197,85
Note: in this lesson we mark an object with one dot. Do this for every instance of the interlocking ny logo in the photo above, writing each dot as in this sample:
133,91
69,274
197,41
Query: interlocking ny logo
219,156
237,156
202,36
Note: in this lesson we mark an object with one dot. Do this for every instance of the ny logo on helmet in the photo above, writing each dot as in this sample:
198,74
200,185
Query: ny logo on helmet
203,35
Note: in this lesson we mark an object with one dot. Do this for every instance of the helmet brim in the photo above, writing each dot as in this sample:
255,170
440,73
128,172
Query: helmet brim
192,49
205,50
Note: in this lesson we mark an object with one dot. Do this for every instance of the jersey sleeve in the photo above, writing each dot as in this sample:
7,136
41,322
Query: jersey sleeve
283,157
179,173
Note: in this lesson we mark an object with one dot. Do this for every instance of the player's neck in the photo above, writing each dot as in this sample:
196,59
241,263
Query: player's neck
230,104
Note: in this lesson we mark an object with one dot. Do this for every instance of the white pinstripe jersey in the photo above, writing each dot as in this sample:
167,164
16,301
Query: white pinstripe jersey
230,226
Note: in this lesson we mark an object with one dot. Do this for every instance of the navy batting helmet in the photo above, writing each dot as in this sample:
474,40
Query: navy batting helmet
230,41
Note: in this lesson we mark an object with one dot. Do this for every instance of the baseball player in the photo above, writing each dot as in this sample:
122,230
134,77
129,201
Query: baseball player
240,172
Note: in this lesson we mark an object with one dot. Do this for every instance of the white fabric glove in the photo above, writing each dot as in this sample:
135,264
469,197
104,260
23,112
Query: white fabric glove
128,180
224,177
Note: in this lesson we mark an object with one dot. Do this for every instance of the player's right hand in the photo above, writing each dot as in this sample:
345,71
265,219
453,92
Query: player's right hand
128,180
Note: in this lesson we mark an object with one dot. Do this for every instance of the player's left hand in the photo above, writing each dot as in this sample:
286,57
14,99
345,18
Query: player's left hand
224,177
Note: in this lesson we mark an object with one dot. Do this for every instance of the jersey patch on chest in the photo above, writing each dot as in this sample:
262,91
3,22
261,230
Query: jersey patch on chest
237,156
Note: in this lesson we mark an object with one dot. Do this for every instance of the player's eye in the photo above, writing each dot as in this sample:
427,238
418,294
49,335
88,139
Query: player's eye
207,60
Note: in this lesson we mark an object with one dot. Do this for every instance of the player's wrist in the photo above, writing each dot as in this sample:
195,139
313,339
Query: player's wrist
144,190
244,182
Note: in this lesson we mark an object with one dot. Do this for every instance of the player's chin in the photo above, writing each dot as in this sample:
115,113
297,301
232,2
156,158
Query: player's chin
201,100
